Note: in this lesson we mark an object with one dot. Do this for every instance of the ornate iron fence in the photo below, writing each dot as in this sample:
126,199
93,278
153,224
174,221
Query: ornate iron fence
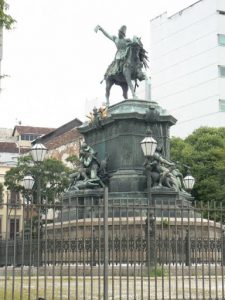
120,249
98,248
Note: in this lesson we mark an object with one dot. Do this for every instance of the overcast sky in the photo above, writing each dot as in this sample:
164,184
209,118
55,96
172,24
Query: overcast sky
55,60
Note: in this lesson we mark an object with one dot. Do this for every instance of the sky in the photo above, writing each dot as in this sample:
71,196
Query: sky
55,60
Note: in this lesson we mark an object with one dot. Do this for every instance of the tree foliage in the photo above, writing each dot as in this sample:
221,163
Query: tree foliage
204,152
53,176
74,161
5,19
1,193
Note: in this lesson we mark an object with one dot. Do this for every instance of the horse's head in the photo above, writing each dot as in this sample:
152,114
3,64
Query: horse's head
137,53
134,49
137,40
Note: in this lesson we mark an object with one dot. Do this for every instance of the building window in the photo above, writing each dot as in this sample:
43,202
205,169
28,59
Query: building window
221,39
222,105
14,199
29,137
221,71
14,228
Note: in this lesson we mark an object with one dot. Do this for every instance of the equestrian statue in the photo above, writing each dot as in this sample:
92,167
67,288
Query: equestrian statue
128,63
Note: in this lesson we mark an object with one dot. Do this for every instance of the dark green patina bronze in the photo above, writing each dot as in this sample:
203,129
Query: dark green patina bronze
128,63
119,135
114,135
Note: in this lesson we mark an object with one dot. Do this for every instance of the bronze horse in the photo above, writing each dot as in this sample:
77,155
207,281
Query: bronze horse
131,69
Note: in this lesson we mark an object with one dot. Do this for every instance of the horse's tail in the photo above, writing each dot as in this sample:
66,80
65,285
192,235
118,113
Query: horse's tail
102,80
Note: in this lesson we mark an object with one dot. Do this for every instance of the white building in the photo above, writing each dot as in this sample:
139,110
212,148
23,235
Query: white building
188,65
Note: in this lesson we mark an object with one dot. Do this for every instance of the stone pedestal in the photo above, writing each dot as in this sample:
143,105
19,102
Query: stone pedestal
119,135
117,138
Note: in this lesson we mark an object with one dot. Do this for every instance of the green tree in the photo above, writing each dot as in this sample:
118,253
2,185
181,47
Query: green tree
204,152
181,153
53,176
1,193
74,160
5,19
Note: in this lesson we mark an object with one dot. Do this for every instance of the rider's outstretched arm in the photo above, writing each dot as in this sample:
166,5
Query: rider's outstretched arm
106,33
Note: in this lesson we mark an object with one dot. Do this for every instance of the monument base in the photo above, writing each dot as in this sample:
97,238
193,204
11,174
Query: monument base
127,180
162,202
171,212
117,138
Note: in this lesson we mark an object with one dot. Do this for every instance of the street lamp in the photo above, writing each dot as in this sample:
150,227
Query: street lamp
38,152
28,182
148,146
189,181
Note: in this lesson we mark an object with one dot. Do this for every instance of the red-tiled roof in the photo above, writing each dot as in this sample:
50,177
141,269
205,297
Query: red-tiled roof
8,147
61,130
63,135
63,139
31,130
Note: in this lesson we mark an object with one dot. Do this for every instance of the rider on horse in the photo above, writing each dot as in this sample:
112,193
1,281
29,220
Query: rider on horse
122,45
127,65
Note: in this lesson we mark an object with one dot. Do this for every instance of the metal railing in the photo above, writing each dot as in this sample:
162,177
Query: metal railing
100,248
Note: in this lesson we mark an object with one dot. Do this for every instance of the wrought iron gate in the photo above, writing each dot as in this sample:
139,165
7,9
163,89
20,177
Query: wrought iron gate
101,248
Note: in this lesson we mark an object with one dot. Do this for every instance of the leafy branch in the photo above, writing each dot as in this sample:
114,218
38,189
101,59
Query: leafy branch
1,193
6,20
53,176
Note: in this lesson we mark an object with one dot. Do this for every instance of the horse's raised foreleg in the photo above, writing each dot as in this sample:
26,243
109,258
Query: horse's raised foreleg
109,84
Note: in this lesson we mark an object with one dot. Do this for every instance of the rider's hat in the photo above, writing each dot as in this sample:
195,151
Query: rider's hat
123,29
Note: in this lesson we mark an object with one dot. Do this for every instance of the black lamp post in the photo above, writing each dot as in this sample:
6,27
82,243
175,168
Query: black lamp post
38,152
28,183
188,182
148,145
